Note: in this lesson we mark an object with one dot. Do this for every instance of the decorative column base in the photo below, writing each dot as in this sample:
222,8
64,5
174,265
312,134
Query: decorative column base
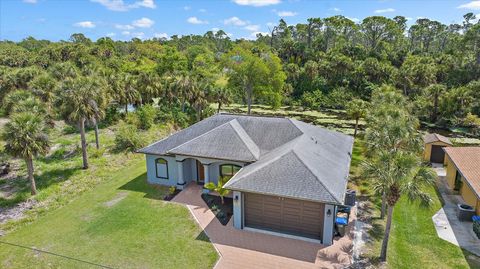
181,186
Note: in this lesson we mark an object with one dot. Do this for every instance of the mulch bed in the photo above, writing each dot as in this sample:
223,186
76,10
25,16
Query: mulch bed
169,196
223,212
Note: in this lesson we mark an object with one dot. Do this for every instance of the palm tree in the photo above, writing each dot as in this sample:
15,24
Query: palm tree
125,89
390,128
399,174
435,91
222,96
356,109
25,137
218,188
78,102
185,86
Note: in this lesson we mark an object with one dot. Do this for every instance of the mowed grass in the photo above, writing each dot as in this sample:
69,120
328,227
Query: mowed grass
122,223
414,240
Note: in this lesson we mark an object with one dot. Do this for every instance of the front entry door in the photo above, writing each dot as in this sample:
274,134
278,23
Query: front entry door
200,173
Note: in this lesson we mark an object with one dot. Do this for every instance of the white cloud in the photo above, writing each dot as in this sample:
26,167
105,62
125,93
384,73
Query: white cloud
195,20
119,5
379,11
143,23
474,5
186,8
124,26
408,18
336,9
202,10
85,24
138,35
147,4
270,24
215,29
125,33
256,3
286,13
235,21
355,20
254,34
30,1
111,34
160,35
253,27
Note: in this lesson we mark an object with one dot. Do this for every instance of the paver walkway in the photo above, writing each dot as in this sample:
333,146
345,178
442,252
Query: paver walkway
246,249
446,223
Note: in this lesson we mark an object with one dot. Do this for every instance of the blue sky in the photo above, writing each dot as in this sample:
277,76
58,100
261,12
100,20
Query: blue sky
124,19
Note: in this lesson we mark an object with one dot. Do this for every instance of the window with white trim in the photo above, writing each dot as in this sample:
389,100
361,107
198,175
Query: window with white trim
161,166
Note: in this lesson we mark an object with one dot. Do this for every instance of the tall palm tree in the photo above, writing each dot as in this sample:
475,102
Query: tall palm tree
399,174
221,95
127,92
356,109
390,127
185,86
26,137
78,102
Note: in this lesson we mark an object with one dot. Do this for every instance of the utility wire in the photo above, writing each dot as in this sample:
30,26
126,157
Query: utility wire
55,254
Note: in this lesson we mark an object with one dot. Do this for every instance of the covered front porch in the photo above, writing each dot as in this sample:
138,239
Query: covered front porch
181,170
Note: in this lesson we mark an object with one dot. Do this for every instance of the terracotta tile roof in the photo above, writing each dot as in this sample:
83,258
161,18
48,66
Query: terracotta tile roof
467,161
431,138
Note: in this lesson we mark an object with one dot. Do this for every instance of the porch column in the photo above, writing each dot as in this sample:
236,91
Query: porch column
180,180
206,176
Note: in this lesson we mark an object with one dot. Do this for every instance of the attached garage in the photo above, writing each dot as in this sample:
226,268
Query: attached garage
284,215
434,144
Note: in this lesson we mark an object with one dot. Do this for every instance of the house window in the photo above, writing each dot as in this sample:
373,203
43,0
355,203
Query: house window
227,171
458,181
161,166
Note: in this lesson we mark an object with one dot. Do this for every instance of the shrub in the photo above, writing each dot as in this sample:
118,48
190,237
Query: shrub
172,190
173,115
146,116
96,153
111,115
312,100
69,129
127,138
132,119
476,228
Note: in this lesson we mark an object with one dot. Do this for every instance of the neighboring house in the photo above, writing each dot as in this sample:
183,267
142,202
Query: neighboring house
463,173
434,144
287,176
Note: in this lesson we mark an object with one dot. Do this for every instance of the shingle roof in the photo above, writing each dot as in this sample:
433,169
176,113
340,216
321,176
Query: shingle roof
431,138
227,142
287,157
467,161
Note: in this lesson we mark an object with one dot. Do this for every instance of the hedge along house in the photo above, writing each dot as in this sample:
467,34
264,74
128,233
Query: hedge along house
463,173
287,176
433,150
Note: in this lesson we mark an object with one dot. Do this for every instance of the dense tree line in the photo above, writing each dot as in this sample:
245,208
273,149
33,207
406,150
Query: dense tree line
323,63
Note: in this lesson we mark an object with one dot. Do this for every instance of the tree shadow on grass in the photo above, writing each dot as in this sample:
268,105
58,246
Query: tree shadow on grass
140,184
472,259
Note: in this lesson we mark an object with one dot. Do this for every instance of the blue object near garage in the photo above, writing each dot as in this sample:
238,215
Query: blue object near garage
341,221
476,218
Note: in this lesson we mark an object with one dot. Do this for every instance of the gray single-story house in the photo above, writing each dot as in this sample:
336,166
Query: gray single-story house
287,176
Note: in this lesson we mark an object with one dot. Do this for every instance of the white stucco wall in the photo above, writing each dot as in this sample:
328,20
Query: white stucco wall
237,210
328,224
172,170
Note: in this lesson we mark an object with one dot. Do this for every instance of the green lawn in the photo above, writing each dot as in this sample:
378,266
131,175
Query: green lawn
121,223
413,241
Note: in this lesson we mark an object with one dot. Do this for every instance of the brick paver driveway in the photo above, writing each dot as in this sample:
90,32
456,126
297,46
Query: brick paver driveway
246,249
